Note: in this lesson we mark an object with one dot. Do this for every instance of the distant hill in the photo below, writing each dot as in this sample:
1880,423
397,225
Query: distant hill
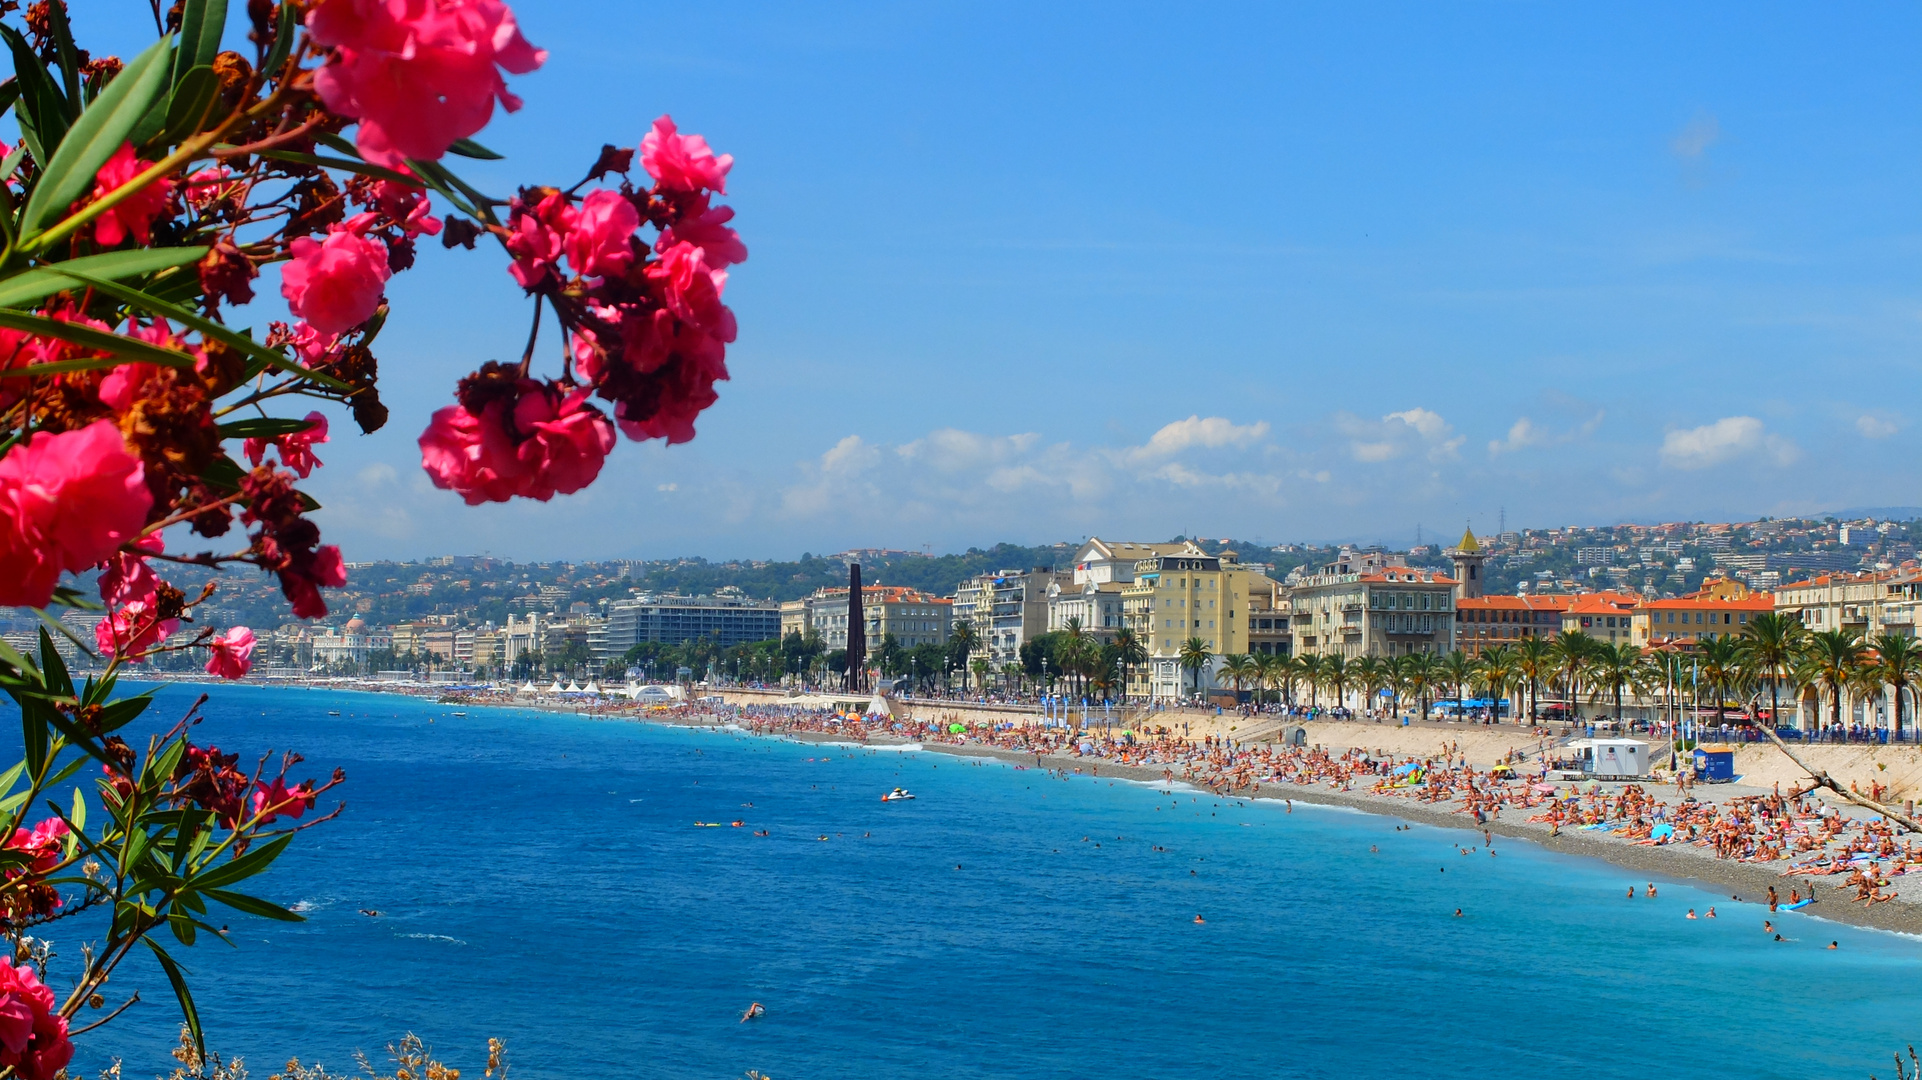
1879,513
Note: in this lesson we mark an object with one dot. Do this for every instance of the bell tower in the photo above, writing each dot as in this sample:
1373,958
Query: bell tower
1468,558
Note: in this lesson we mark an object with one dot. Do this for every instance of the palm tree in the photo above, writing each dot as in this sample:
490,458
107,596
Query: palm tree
1240,669
1423,673
1310,667
980,666
962,641
1274,668
1832,657
1457,669
1128,652
1396,669
1718,662
1495,671
1194,657
1335,673
1898,662
1072,653
1534,660
1299,669
1572,650
1370,672
1612,667
1770,647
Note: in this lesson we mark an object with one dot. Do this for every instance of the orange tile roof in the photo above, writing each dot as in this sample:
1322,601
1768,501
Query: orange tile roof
1409,575
1548,602
1753,602
1604,603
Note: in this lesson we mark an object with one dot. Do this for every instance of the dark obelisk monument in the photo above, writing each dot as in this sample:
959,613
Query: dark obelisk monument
857,672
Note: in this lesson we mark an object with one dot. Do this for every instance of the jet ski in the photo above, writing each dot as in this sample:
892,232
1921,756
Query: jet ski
897,795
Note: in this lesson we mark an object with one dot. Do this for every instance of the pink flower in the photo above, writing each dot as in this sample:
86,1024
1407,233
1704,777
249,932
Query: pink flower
233,654
683,162
280,799
306,574
134,214
692,291
528,440
407,207
602,243
125,576
132,629
206,188
67,501
707,229
418,74
335,284
295,448
44,843
535,238
310,345
681,389
33,1037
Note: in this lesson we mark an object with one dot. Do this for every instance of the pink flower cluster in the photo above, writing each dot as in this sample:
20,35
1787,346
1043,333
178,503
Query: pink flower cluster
131,591
419,75
514,436
648,334
233,654
336,283
33,1037
67,502
134,215
296,449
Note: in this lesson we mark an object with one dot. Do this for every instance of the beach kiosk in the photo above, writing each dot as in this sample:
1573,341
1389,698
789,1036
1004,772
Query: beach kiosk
1715,764
1615,759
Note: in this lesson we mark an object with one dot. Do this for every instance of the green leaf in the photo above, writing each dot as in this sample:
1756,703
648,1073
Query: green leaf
354,165
266,428
77,817
54,668
9,93
95,136
468,148
27,288
43,112
62,35
192,100
253,905
284,31
12,776
103,340
245,866
118,714
34,735
187,1010
207,327
201,23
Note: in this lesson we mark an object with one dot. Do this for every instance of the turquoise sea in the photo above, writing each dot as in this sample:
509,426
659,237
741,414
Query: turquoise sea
539,878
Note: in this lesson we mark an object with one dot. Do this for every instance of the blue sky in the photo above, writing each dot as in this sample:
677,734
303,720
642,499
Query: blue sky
1285,272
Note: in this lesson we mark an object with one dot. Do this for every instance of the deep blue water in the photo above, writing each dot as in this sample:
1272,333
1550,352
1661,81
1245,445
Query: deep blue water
540,880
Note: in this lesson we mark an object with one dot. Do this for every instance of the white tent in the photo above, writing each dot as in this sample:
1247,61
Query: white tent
529,688
572,687
556,688
591,688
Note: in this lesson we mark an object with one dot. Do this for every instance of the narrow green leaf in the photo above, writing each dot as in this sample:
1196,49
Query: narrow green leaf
468,148
95,136
187,1010
118,714
31,286
55,669
64,53
284,31
77,817
43,109
245,866
192,100
34,736
253,905
265,428
12,776
9,93
201,23
104,340
207,327
354,165
12,658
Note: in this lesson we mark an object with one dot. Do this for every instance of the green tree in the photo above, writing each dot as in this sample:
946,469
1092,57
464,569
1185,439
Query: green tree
1194,657
962,642
1718,664
1771,647
1129,652
1458,670
1898,664
1495,673
1334,673
1613,668
1832,658
1370,673
1241,669
1534,661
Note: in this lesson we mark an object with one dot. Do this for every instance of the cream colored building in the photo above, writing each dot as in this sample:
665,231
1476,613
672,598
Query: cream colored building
1371,603
1187,593
1870,604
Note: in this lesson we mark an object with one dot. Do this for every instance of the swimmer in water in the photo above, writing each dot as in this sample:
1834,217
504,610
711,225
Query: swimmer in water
1458,913
1651,890
1199,920
1834,945
1631,892
1691,913
1768,927
753,1012
1711,912
370,913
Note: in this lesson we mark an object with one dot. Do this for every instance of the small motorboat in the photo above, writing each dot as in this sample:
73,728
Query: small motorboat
333,712
897,795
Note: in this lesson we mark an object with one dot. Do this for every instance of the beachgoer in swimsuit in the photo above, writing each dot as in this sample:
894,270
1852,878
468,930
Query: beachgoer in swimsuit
1691,913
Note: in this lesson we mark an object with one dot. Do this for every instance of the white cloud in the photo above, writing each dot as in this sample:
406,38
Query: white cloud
1213,433
1693,141
1875,427
1728,439
1399,434
1525,433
